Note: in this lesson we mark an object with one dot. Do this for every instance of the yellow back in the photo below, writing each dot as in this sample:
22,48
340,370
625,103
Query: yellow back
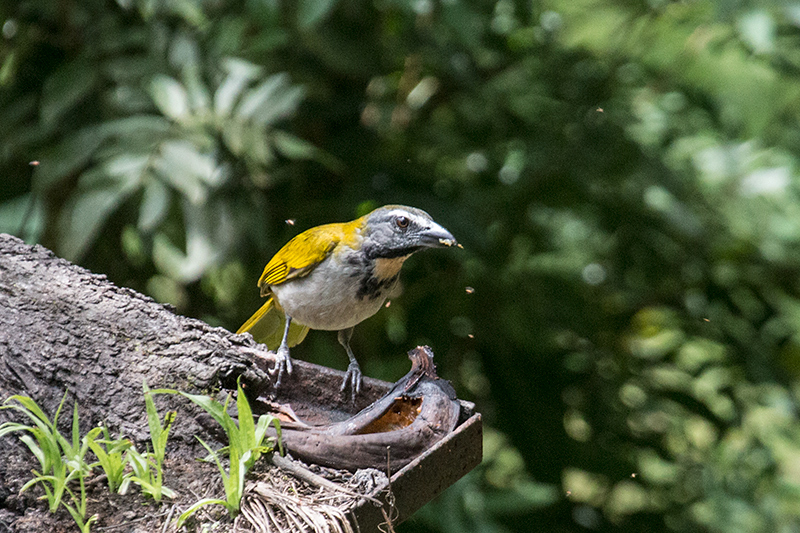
296,259
305,251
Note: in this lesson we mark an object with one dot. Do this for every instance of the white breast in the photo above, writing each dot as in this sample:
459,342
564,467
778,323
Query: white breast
328,298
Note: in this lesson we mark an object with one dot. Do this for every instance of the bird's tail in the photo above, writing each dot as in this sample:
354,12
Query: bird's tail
267,324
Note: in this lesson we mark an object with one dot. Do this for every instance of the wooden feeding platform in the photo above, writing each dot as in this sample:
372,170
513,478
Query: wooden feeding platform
313,393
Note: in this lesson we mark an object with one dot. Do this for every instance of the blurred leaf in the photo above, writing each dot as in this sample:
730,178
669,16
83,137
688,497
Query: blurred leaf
233,134
293,147
198,93
758,31
66,87
66,159
223,283
8,69
311,12
240,74
84,216
270,101
208,235
260,96
165,289
190,11
133,246
125,168
22,209
627,498
154,206
187,170
170,97
183,267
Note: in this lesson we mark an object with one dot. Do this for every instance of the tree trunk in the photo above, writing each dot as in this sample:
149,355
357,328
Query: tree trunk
64,328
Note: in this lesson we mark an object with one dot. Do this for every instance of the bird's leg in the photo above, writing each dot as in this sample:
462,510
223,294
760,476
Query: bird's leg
283,362
353,375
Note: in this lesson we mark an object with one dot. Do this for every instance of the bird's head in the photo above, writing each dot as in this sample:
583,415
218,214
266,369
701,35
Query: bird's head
396,231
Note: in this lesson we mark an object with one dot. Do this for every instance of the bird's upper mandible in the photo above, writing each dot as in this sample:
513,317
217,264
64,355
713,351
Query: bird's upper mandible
396,231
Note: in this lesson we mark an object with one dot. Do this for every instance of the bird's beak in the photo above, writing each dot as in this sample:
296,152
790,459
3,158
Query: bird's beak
437,237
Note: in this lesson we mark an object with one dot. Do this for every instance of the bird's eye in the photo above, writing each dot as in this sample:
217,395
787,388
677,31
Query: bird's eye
402,222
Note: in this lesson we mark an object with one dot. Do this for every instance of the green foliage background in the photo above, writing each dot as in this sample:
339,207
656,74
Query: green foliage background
622,175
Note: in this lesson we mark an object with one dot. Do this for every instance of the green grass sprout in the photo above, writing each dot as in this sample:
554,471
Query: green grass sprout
148,471
45,448
62,460
111,454
246,442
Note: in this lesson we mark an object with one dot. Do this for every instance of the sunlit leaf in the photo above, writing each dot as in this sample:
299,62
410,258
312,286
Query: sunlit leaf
272,100
190,11
188,171
127,169
170,97
281,106
8,69
233,133
240,74
758,31
207,236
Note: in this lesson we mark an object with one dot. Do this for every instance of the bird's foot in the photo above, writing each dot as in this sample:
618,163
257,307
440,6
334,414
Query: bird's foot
353,378
283,365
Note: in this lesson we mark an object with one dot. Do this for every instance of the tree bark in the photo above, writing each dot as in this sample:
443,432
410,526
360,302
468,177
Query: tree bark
64,328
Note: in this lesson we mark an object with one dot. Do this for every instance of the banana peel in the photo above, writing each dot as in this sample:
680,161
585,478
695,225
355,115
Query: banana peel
417,412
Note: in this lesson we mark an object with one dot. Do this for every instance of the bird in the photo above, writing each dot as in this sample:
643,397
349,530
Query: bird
333,277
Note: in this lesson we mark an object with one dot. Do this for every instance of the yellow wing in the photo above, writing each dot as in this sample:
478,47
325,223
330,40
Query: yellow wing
301,254
296,259
267,324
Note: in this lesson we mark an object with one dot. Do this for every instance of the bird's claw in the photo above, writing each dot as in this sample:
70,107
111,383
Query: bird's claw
353,378
283,365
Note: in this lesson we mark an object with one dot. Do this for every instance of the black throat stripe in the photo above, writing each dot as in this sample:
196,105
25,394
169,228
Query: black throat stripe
371,287
385,252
